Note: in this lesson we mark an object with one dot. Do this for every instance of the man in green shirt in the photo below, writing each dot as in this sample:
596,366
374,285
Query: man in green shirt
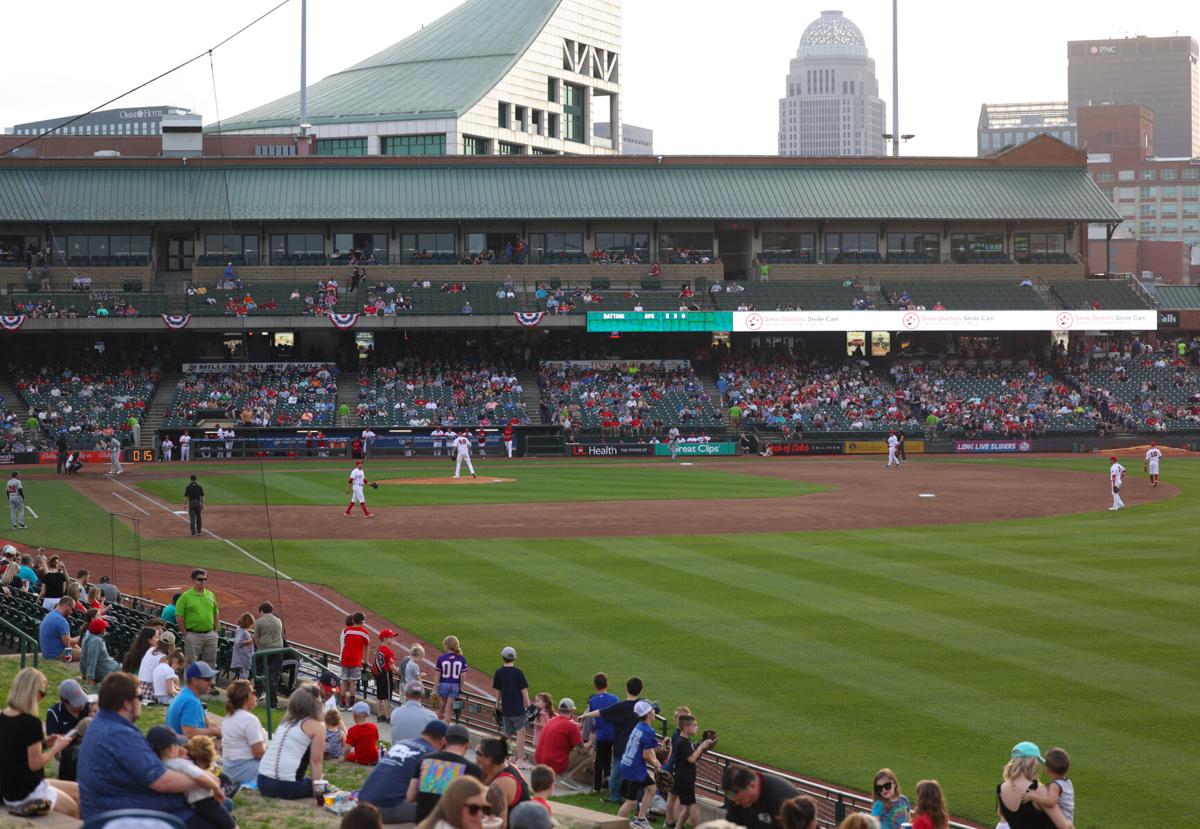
196,616
344,415
31,424
268,635
735,415
930,425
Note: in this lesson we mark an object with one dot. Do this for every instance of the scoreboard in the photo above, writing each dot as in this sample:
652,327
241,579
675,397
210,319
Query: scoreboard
670,322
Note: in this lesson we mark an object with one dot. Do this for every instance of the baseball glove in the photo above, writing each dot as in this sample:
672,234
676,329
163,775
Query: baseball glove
664,780
499,717
374,485
1116,489
709,734
435,701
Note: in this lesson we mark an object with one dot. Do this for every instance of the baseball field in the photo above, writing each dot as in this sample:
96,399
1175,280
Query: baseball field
827,616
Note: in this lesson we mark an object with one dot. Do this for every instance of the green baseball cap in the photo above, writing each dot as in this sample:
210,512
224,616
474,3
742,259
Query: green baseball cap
1027,749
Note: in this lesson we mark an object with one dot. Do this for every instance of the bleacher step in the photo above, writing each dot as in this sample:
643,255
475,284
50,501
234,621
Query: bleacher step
155,409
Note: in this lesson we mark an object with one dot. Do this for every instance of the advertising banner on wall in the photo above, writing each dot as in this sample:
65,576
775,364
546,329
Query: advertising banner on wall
961,321
808,447
982,446
85,455
696,449
879,447
610,450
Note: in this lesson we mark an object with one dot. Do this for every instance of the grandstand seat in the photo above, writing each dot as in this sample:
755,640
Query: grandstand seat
415,392
1112,294
808,296
282,395
972,294
661,394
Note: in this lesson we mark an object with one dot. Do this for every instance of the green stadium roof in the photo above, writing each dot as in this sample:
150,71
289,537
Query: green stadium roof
440,71
547,189
1177,297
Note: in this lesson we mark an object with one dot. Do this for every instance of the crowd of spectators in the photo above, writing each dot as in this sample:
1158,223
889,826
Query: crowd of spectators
98,308
420,391
817,395
1145,387
383,300
254,396
86,399
627,398
620,256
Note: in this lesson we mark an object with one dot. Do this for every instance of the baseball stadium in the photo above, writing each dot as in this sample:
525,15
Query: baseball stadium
862,460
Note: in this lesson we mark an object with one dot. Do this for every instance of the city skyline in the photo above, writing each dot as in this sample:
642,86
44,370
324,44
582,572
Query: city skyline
669,71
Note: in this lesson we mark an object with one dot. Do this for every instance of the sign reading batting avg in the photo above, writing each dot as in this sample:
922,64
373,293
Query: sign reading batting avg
915,321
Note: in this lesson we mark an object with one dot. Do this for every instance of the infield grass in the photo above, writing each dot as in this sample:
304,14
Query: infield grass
531,482
931,650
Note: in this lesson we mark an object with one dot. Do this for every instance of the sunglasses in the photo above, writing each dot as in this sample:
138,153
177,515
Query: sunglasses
41,694
883,787
201,578
475,808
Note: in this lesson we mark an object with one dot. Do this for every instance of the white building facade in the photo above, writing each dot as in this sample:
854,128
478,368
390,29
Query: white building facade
832,106
524,77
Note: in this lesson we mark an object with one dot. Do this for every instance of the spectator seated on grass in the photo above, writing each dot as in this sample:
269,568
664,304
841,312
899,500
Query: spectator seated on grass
85,399
439,392
280,396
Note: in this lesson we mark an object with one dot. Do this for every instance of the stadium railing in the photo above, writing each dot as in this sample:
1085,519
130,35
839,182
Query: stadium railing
12,636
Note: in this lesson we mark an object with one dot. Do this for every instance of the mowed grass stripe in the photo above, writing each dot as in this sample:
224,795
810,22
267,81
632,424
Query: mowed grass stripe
871,599
530,484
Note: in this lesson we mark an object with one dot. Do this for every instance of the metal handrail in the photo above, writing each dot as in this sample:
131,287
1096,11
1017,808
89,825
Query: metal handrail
25,640
260,659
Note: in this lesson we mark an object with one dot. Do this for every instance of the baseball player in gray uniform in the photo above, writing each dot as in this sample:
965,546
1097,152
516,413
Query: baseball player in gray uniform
114,449
16,501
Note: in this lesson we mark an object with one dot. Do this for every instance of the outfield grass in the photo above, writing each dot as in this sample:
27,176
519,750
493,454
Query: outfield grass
931,650
531,483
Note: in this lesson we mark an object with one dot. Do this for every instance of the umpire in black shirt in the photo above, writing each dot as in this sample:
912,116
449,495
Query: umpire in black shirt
194,494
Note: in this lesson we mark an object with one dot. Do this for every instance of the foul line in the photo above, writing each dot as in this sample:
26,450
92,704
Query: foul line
241,550
126,500
31,512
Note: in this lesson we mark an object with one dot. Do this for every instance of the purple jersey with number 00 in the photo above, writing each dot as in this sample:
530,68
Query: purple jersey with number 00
451,667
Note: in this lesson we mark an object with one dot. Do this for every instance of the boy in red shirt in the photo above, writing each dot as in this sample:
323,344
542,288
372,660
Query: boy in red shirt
382,668
362,740
355,641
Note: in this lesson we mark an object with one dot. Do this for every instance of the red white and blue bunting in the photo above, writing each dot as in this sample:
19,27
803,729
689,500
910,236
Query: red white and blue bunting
12,323
176,322
343,321
528,319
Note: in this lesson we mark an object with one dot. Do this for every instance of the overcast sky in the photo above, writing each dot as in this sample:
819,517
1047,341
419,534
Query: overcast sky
706,76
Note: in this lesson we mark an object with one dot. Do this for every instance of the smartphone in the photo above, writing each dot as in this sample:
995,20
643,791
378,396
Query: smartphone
70,735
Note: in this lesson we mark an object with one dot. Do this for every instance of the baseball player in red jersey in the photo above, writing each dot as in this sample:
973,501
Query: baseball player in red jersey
508,439
354,485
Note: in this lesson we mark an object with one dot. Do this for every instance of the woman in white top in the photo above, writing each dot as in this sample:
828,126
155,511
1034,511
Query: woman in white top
462,806
243,739
298,744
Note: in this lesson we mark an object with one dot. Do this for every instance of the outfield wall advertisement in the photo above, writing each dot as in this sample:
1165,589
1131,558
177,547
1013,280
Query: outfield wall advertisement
768,322
610,450
981,446
696,449
880,447
808,447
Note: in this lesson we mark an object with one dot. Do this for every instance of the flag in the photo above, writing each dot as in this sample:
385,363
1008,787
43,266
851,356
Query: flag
12,323
176,322
343,321
528,319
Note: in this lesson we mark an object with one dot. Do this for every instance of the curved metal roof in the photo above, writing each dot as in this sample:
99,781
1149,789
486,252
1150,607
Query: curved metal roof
438,72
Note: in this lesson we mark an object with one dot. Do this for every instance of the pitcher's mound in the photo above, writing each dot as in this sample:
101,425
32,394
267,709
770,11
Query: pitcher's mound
448,481
1140,451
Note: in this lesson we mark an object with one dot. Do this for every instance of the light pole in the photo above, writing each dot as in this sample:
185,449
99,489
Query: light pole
895,77
891,136
303,62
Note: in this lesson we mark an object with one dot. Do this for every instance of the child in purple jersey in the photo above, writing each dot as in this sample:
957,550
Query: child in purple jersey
451,665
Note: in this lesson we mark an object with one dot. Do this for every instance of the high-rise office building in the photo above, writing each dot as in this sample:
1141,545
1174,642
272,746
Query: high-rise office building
1161,73
832,105
1003,125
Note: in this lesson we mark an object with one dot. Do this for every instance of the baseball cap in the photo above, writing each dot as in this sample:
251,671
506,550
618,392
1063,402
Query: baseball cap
71,692
508,653
530,815
414,688
167,637
1113,458
435,728
97,626
10,550
567,704
458,733
642,708
1027,749
360,707
160,736
200,670
387,633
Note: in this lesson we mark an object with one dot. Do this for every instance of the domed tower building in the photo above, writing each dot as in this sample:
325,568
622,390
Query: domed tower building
832,106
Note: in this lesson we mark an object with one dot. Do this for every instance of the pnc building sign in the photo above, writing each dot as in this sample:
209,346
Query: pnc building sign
1107,49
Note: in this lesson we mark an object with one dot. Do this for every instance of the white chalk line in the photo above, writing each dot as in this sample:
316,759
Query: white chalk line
126,500
31,512
243,551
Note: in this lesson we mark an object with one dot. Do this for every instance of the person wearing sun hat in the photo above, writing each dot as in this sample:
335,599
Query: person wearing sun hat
1021,775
